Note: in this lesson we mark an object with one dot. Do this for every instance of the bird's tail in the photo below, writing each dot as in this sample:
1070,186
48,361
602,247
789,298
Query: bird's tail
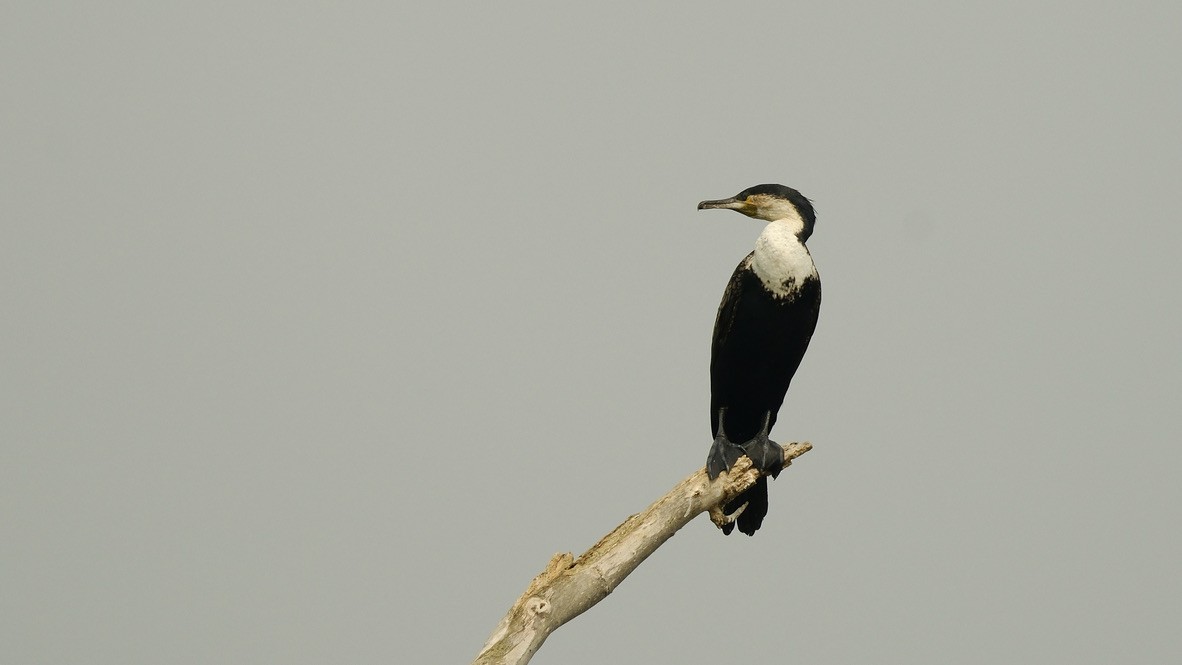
752,517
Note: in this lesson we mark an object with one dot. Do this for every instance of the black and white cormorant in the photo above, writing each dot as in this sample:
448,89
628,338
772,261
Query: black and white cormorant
764,325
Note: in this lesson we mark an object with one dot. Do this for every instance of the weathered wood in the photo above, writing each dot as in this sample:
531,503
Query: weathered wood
568,586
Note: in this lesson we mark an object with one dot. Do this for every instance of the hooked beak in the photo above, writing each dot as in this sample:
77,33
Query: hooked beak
728,204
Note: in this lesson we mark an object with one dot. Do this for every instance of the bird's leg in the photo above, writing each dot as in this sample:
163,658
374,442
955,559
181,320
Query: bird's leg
766,455
723,454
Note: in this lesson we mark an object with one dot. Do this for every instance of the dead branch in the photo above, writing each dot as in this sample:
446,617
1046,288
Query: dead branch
568,586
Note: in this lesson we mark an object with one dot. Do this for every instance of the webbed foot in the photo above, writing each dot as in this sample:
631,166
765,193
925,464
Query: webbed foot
766,455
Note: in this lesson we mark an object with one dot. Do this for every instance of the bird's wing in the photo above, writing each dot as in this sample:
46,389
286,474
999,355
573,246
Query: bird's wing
725,320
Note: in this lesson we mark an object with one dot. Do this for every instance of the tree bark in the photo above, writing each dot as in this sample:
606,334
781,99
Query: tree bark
568,586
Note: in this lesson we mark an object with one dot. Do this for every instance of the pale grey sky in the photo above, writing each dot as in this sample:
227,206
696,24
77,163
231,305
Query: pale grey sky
326,325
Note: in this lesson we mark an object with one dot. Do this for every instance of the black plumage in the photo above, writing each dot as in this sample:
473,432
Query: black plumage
764,324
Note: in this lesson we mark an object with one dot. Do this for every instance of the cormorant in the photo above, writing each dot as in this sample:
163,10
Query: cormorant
766,319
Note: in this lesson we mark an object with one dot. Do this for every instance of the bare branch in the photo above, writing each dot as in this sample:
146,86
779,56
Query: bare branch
568,587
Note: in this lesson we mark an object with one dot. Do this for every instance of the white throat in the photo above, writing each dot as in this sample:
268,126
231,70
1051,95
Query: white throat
781,261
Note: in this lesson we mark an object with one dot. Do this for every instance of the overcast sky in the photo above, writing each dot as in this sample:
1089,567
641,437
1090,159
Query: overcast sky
326,325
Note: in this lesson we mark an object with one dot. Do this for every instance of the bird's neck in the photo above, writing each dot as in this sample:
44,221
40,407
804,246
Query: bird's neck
781,261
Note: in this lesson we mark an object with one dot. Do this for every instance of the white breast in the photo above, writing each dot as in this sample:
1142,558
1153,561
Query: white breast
781,261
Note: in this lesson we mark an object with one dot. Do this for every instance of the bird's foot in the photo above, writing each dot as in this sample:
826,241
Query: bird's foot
722,456
766,455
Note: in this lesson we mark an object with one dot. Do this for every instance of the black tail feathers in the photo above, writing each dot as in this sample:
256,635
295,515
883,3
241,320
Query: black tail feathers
752,517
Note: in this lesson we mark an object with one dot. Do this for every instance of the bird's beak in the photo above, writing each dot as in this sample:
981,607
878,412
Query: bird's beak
729,204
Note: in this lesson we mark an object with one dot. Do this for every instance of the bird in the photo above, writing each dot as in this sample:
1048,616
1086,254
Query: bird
767,317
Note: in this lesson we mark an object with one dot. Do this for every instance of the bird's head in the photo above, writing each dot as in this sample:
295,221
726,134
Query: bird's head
771,203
